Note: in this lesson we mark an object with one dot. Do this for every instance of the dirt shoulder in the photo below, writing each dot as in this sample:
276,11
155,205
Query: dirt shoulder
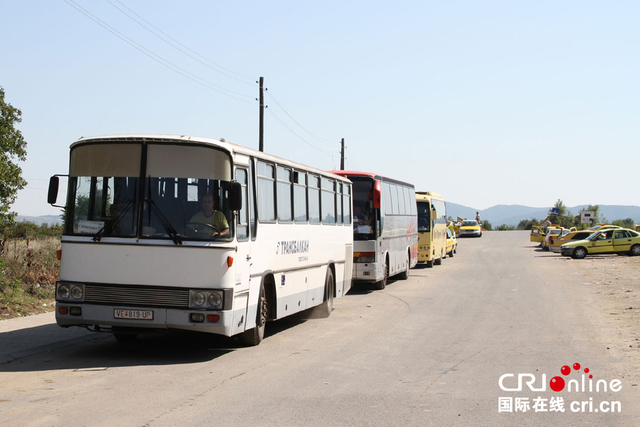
614,284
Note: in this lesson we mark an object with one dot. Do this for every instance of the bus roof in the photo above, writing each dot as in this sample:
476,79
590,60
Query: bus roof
222,143
428,195
369,175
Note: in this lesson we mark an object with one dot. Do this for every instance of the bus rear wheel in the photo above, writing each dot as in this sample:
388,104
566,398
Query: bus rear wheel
254,336
325,309
405,274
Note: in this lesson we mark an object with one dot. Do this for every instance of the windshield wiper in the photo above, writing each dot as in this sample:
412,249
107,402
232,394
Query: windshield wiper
108,227
165,222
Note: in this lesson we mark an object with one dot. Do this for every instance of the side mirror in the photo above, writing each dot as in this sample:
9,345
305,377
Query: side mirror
235,196
54,182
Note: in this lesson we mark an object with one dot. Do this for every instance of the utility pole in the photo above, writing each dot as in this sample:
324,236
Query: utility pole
261,130
342,156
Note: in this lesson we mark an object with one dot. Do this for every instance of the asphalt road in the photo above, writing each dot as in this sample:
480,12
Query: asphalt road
426,351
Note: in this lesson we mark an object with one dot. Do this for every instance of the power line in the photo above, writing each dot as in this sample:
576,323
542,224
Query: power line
301,138
246,80
326,142
155,56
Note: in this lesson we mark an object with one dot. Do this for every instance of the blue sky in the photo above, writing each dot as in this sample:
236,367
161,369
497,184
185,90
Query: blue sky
494,102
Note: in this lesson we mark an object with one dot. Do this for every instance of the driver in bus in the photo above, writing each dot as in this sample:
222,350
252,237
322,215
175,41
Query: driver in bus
362,222
212,217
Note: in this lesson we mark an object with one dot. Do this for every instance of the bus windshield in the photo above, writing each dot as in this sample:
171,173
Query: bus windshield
424,217
364,223
181,192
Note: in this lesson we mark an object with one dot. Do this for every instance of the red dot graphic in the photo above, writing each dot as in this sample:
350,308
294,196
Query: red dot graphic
576,366
586,370
556,384
565,370
590,376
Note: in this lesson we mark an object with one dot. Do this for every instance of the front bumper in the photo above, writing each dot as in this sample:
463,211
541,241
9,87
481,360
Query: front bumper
163,318
470,233
566,251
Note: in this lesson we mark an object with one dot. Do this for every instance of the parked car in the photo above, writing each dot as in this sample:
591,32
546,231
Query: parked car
554,244
471,228
553,233
606,241
452,242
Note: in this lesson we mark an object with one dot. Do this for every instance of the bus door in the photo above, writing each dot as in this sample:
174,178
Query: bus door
242,259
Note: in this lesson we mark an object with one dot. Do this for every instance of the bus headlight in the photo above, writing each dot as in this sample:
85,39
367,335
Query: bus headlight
198,299
211,300
362,257
76,292
70,292
63,291
215,300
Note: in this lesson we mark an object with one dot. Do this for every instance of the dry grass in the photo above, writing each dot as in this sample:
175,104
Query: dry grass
29,269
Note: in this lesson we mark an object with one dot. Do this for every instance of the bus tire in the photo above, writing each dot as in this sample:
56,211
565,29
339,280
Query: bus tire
383,283
325,309
438,261
430,264
405,274
254,336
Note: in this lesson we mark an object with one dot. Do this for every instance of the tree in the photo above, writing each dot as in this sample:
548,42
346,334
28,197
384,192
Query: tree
596,216
13,148
564,217
625,223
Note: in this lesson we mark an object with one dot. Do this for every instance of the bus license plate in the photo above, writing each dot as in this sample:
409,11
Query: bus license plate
133,314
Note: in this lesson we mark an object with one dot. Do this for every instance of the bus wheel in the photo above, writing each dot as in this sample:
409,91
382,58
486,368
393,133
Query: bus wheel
325,309
254,336
405,274
438,261
383,283
430,264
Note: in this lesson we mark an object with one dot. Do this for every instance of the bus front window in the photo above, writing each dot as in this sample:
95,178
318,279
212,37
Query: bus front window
103,187
187,193
364,215
184,193
424,217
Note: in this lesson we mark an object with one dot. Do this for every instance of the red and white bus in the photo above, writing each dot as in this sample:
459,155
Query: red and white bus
385,229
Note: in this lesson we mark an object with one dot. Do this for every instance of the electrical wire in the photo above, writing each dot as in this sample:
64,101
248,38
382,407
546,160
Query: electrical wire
156,57
324,141
245,80
298,136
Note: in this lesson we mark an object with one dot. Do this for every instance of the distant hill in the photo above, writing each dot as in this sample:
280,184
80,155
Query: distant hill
39,220
513,214
496,215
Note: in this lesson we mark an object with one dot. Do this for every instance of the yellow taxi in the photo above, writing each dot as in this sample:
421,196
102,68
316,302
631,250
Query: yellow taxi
554,244
605,241
452,242
552,232
471,228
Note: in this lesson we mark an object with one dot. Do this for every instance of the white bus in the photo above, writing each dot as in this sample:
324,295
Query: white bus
135,256
384,231
432,227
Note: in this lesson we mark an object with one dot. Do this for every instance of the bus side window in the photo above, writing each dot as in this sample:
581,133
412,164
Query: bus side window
243,224
300,197
284,194
266,193
314,199
346,204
